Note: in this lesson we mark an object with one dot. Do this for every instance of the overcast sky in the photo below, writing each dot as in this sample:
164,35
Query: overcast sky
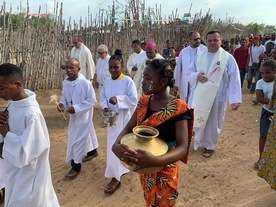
242,11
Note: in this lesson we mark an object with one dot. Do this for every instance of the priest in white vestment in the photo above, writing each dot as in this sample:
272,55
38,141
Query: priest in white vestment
78,99
28,180
83,54
185,58
214,79
118,94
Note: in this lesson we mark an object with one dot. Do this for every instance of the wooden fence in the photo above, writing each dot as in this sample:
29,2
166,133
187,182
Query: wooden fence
40,51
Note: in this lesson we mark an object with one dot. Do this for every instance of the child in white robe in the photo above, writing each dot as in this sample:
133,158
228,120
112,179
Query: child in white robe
28,180
78,99
118,94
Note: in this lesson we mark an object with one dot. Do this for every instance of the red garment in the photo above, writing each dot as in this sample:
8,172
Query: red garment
241,56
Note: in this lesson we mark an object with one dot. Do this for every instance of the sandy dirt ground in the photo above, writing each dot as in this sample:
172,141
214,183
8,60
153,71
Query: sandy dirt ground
226,179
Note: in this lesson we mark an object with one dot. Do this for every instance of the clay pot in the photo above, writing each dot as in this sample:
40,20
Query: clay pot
145,138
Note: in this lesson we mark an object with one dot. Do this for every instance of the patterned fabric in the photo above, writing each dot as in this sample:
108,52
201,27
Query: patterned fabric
267,167
160,189
172,109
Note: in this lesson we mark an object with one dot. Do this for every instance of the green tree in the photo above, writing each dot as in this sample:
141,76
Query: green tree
255,28
16,20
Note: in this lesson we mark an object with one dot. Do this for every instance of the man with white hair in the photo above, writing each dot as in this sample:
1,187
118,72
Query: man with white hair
102,67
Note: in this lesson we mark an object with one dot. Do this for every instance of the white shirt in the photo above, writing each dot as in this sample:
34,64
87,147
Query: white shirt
255,51
102,69
267,88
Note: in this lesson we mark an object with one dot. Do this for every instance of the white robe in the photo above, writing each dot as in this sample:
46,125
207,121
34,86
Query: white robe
81,133
134,60
87,64
126,95
229,89
2,173
102,70
186,57
26,149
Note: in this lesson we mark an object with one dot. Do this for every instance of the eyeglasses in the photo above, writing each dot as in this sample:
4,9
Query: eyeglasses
196,39
100,53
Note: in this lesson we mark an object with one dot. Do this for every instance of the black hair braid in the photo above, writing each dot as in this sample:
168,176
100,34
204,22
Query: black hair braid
163,68
118,55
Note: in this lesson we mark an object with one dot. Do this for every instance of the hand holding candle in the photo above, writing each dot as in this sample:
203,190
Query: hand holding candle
54,100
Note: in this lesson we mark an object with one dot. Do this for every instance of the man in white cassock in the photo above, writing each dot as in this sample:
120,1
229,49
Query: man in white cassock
78,99
83,54
135,58
214,79
119,95
185,58
28,180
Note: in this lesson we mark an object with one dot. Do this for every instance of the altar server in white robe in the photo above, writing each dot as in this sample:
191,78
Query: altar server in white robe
28,180
214,77
118,94
78,99
83,54
186,56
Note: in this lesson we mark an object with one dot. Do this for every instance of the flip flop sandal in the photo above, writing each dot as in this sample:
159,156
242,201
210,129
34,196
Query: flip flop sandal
256,165
111,189
207,153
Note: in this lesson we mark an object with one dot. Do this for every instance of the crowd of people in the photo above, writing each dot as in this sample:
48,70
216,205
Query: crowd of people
162,90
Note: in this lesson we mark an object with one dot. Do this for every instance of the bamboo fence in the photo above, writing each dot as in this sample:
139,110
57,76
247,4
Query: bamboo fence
40,51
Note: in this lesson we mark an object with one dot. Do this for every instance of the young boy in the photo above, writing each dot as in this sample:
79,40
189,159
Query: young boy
78,99
26,148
